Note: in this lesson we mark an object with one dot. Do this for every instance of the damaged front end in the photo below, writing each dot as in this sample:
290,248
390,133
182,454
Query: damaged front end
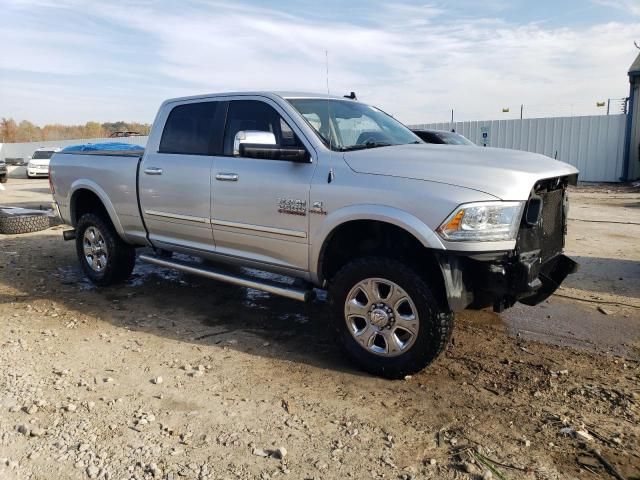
530,273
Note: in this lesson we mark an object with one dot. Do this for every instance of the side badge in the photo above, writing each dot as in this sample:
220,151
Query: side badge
292,206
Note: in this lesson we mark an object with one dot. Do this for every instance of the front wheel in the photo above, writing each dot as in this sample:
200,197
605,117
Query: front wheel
105,258
386,317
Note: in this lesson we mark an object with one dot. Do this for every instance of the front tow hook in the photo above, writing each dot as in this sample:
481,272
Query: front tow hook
551,278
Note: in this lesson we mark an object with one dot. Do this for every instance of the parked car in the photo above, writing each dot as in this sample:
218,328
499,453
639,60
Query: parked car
38,165
3,171
337,195
442,137
15,161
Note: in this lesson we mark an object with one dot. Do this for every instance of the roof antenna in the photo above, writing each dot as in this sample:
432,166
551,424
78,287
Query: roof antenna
331,174
326,62
351,96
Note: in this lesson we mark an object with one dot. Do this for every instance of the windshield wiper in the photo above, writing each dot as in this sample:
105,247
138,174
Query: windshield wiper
362,146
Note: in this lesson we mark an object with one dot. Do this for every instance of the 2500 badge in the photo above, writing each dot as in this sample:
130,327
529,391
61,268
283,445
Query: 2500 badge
292,206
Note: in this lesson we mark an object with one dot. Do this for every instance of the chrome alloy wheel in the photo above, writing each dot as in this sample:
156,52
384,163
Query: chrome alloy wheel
381,317
95,249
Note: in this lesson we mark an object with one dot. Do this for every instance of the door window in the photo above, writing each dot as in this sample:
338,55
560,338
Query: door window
246,115
190,129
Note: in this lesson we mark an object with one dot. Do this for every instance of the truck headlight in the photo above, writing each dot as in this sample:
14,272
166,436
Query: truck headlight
483,222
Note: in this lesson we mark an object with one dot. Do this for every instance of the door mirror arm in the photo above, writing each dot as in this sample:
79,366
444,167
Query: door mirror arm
274,152
259,144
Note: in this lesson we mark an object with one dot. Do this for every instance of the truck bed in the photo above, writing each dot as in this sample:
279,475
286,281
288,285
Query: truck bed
112,175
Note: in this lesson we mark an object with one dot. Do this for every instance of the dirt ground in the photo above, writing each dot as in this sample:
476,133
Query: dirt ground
178,377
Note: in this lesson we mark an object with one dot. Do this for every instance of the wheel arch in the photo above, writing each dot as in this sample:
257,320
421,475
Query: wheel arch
377,233
368,213
87,196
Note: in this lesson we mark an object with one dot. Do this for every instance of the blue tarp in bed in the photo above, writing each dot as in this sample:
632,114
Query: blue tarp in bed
109,146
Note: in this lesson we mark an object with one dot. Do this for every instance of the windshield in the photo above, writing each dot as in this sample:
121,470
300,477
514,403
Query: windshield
42,154
454,138
346,125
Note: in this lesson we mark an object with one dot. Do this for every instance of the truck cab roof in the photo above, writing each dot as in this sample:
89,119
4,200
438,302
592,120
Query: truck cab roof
262,93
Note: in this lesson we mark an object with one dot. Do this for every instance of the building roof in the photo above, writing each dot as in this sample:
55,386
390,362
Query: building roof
635,67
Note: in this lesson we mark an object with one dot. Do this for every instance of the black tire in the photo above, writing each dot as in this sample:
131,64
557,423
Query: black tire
3,178
435,322
120,256
11,224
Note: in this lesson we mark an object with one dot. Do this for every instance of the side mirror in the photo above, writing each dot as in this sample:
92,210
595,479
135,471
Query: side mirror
254,137
258,144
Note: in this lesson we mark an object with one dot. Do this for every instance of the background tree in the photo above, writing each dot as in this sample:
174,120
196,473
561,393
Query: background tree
93,130
25,131
28,132
8,130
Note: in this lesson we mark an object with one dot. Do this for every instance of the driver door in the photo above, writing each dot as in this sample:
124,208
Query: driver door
260,206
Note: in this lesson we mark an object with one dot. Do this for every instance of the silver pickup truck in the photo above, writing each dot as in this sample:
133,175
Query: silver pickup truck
335,195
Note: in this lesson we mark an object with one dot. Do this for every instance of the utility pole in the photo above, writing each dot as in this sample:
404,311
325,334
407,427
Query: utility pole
608,105
521,110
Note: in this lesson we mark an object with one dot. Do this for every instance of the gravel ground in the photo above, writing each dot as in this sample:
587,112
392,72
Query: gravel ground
172,376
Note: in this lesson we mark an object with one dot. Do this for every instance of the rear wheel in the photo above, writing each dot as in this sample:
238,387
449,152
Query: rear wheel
104,257
386,317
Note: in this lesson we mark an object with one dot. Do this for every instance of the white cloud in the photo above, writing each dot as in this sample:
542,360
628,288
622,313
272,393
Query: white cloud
416,62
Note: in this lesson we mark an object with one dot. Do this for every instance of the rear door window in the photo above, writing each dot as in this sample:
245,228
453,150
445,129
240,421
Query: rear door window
191,129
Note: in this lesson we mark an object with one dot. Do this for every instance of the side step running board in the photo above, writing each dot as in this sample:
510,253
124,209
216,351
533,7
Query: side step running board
264,285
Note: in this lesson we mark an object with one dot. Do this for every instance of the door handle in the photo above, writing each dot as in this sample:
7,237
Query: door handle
227,177
153,171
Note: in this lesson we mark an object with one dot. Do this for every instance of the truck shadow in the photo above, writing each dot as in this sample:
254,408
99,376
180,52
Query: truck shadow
173,305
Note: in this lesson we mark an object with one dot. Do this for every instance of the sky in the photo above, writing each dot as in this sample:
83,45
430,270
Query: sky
72,61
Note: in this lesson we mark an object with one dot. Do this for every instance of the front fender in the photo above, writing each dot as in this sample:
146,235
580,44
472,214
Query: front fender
92,186
322,233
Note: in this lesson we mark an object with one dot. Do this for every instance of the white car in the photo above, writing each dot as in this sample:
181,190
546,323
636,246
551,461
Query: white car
38,165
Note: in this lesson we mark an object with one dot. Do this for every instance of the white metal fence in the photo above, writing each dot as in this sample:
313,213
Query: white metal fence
24,151
593,144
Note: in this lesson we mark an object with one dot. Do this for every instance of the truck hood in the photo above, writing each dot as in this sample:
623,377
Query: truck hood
505,174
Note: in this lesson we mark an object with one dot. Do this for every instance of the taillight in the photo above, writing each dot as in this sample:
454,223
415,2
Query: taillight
53,190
